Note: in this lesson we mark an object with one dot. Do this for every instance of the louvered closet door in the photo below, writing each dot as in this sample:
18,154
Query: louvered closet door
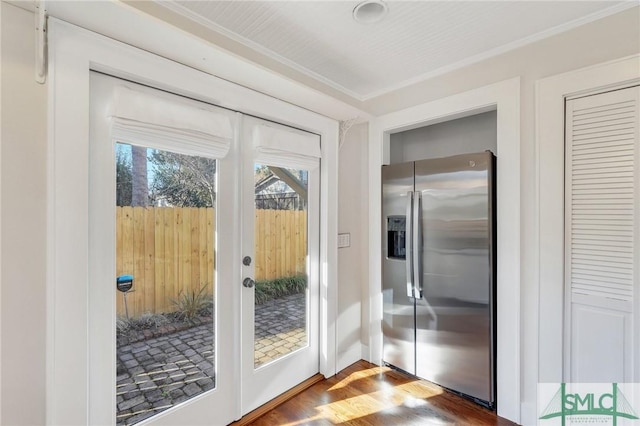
602,236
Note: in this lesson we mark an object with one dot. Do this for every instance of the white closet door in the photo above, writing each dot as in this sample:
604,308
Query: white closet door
602,233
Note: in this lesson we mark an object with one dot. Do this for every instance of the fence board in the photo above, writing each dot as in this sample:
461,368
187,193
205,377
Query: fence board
127,244
195,247
169,256
159,273
273,242
302,241
203,254
169,250
281,243
138,259
119,253
259,245
211,258
149,258
184,250
288,242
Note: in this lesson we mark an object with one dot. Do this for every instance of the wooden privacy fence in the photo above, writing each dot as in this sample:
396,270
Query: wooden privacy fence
170,250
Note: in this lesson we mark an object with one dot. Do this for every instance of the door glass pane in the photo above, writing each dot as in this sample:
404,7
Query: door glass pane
280,262
165,290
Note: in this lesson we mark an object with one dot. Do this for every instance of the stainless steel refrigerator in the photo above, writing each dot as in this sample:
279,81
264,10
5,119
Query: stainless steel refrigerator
438,261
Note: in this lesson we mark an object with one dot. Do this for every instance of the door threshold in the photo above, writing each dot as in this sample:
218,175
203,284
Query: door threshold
278,400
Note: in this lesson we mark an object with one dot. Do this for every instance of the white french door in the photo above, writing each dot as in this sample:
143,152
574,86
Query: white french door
280,250
161,339
190,276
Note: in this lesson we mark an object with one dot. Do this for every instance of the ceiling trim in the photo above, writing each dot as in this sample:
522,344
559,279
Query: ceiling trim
124,23
559,29
199,19
187,13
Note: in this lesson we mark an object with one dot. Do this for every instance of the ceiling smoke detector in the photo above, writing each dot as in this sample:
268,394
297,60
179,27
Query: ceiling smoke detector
370,11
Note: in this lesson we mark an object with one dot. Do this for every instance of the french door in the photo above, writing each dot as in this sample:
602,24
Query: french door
215,306
280,242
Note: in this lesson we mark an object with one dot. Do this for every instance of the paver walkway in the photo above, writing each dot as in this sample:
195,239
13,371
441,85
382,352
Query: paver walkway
280,328
156,374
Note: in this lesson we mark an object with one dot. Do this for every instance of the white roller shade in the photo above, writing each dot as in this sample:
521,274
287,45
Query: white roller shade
286,148
170,123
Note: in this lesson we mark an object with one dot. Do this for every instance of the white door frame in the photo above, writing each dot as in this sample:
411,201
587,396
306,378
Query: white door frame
73,53
505,98
279,375
551,93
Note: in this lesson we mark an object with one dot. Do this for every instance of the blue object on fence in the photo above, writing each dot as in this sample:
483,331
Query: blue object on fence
124,278
124,283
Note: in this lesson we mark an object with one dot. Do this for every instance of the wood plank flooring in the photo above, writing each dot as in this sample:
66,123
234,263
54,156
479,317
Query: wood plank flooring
365,394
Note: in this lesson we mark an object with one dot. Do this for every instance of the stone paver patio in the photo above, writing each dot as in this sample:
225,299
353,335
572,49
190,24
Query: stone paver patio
158,373
280,328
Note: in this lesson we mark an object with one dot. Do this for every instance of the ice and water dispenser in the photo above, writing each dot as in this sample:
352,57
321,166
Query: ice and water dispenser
396,226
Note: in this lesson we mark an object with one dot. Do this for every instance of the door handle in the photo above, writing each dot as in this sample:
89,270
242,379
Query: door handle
408,244
248,282
417,245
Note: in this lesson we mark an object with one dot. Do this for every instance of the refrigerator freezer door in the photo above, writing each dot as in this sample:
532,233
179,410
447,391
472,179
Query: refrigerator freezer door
453,318
398,323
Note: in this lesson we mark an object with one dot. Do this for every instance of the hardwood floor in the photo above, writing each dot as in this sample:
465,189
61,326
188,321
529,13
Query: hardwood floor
364,394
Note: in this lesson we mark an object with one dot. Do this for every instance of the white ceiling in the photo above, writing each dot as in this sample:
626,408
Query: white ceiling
415,41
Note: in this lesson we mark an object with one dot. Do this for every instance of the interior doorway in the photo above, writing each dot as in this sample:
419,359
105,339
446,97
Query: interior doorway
505,98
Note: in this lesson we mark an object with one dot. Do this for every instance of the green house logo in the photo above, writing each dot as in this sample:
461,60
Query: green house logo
588,407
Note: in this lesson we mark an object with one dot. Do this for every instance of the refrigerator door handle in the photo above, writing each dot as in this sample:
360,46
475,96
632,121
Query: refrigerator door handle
417,244
409,244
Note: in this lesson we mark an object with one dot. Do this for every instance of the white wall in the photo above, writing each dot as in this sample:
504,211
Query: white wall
23,193
23,185
352,261
615,36
610,38
476,133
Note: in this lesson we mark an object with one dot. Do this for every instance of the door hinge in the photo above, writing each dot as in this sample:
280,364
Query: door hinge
41,40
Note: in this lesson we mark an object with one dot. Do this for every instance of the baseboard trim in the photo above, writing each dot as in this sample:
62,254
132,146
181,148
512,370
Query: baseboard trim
366,355
345,359
280,399
528,413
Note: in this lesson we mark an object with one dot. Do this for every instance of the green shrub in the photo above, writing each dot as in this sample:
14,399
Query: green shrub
190,305
266,290
150,320
123,324
145,321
